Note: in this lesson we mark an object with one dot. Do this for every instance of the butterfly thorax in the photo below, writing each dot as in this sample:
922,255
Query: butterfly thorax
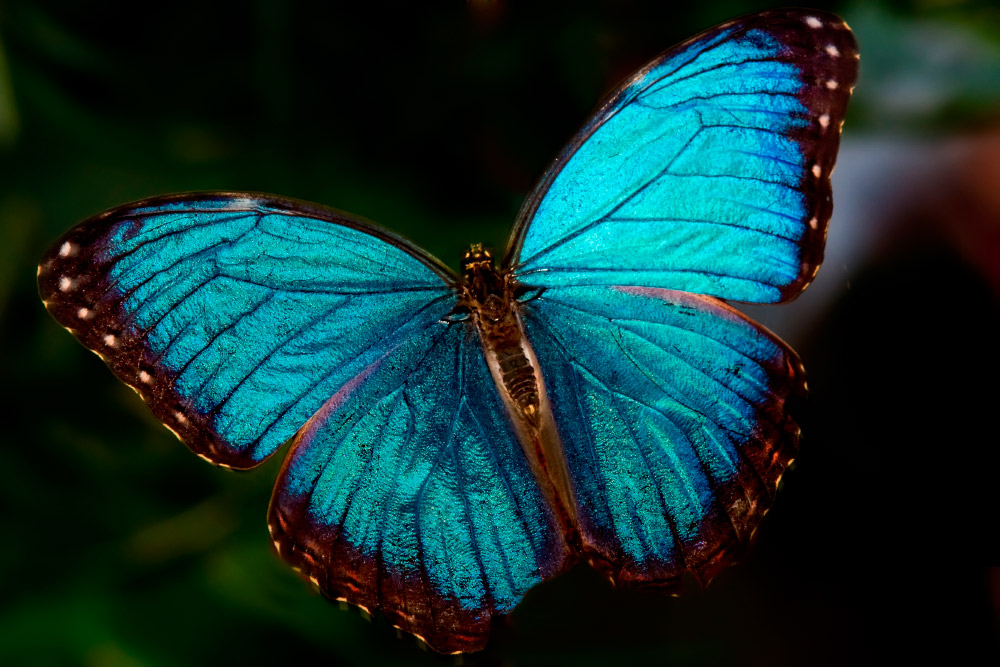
485,290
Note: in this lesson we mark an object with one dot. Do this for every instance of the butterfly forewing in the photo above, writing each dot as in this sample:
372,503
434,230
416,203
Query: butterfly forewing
236,316
708,171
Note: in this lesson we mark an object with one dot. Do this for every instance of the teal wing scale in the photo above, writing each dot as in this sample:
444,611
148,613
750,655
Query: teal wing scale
672,412
408,492
236,316
708,171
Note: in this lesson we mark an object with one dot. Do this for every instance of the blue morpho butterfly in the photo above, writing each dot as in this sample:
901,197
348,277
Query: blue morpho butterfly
458,439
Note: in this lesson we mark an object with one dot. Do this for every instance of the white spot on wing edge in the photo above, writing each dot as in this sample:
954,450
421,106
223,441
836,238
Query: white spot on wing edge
824,121
832,50
110,340
832,84
144,377
814,223
65,284
66,249
83,313
817,171
813,22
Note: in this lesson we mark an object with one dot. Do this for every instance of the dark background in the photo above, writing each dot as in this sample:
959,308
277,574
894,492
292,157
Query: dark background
121,548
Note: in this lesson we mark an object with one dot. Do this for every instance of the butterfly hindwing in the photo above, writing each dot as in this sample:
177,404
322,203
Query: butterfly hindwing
672,412
708,171
235,316
408,492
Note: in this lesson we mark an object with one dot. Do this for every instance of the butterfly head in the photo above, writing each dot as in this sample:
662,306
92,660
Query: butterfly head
479,274
477,259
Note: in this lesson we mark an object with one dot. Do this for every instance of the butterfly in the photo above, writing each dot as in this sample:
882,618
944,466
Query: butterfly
457,439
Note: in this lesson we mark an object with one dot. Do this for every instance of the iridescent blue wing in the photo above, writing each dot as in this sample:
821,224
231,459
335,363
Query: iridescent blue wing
408,492
236,316
672,412
708,171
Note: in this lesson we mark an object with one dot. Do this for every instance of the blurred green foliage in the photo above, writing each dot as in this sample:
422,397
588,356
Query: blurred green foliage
123,549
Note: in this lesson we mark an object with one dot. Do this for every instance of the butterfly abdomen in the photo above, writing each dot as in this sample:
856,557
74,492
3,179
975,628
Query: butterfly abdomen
518,377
